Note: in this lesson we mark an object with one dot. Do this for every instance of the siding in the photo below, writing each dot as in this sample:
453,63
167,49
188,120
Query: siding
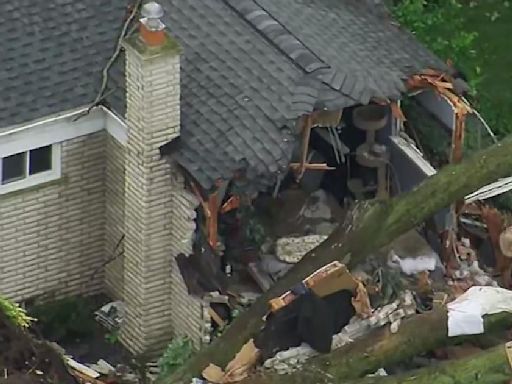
52,235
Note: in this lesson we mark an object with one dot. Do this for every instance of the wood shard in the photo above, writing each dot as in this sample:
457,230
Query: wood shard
331,278
215,316
213,374
232,203
361,302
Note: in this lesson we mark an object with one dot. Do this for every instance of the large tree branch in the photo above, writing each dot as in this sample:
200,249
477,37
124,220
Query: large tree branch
417,335
489,367
376,226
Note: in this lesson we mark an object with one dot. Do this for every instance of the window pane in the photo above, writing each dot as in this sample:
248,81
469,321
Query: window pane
40,160
13,167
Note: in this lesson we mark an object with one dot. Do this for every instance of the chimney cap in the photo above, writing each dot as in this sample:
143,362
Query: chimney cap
152,10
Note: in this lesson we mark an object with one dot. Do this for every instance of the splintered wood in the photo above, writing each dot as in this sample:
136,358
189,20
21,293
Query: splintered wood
238,369
331,278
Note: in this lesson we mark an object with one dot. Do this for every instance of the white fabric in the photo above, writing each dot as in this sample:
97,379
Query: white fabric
465,313
413,265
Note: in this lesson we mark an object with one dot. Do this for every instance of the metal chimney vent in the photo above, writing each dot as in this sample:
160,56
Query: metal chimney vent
151,13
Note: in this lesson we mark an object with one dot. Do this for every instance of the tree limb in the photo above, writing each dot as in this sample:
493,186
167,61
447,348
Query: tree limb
417,335
489,367
376,226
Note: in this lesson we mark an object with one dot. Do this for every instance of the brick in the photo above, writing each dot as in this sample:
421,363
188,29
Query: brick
39,256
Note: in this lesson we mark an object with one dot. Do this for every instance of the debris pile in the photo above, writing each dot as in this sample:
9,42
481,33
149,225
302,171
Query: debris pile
334,307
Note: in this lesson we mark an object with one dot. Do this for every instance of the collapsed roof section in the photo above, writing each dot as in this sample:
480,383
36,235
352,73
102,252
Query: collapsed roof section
251,68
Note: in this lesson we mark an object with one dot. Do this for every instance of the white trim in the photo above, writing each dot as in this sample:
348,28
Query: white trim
115,126
490,190
45,120
61,128
414,154
49,132
31,180
53,131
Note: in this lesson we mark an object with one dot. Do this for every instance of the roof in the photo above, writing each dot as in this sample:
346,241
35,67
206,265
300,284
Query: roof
52,53
249,69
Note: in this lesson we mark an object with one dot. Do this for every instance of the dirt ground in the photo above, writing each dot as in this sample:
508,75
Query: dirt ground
24,360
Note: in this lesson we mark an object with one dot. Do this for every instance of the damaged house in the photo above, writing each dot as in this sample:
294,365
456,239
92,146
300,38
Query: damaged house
135,136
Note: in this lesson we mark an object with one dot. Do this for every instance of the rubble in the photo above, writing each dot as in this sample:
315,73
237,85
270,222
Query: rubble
292,359
292,249
111,315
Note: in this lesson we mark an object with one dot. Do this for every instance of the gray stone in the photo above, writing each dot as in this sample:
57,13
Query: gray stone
293,249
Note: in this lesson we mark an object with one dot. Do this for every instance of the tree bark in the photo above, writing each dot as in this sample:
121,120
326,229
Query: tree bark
417,335
489,367
373,226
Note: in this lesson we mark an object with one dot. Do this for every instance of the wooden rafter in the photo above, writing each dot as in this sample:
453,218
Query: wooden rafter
211,212
306,134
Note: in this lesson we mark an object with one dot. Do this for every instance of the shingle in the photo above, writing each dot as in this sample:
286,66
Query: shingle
359,35
249,67
57,48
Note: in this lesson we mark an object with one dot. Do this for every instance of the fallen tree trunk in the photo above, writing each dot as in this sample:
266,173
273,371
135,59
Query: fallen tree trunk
489,367
373,226
417,335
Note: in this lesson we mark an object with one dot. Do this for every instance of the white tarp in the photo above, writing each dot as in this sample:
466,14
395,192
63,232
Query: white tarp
465,313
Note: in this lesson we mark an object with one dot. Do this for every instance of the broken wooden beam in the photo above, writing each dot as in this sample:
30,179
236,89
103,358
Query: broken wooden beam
213,220
306,134
215,316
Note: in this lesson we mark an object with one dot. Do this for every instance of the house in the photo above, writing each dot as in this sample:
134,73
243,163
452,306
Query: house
115,136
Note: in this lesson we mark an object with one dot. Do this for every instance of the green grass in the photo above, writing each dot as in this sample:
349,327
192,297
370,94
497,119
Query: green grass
492,20
476,35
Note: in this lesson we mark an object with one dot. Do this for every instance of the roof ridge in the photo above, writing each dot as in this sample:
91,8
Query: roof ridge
272,30
277,34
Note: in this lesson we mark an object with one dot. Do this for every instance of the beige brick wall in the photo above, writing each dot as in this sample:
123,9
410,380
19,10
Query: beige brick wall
153,118
52,236
187,319
114,211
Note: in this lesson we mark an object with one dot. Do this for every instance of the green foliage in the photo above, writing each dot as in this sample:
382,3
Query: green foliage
441,28
15,313
176,354
254,230
70,318
112,337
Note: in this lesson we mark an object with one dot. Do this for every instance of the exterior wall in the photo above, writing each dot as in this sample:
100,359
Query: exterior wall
114,210
188,318
52,235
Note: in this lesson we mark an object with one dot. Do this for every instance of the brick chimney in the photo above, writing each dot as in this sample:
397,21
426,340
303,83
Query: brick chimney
153,119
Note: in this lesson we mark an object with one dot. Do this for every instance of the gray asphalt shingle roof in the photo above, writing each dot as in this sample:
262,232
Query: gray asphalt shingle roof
249,69
252,66
52,53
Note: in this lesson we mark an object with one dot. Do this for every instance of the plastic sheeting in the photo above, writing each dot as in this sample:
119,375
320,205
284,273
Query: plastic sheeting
465,314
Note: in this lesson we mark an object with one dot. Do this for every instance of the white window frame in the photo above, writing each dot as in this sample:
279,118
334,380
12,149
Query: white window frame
31,180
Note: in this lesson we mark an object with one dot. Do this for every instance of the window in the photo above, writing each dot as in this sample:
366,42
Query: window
25,169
